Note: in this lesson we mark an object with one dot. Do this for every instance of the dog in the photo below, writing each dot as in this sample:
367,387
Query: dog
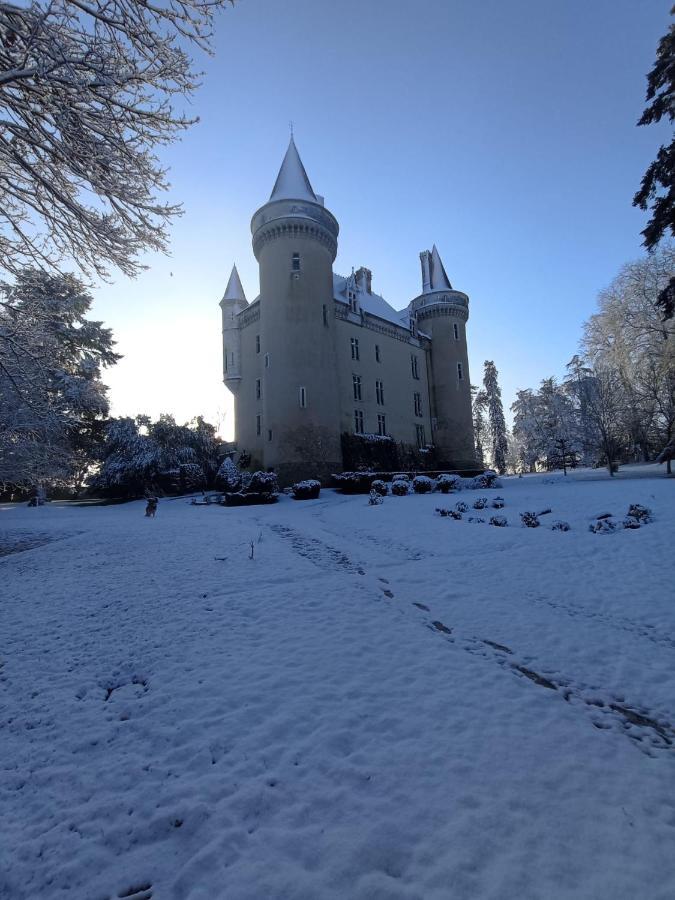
151,508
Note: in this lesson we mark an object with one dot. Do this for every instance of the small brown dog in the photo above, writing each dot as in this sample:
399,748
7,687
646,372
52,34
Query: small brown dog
151,508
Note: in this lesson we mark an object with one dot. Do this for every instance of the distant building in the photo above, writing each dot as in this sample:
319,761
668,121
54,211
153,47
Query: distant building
318,354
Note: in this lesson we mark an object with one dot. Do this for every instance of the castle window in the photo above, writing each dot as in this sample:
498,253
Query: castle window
267,360
258,424
418,403
226,360
377,353
303,397
381,424
414,366
269,434
460,372
455,329
379,393
353,304
355,348
258,389
356,385
257,343
295,264
325,314
421,438
358,421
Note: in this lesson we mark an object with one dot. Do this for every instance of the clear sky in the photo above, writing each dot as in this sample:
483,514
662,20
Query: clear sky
502,131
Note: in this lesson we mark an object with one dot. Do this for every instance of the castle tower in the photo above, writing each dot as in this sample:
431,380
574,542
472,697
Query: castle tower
233,302
295,243
442,313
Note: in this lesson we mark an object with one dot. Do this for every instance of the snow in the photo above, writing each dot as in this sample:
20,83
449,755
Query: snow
234,289
382,703
371,303
439,278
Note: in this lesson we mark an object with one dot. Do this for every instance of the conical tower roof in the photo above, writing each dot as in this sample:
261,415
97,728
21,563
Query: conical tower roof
292,182
234,289
439,278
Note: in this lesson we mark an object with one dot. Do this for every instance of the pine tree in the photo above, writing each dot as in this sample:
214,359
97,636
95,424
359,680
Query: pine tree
656,191
495,417
479,408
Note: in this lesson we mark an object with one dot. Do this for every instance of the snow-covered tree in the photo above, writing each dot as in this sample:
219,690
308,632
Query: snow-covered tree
656,192
52,399
481,432
598,396
161,456
228,476
499,442
87,92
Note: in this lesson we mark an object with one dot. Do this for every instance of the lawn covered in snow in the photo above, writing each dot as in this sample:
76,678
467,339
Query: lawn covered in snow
381,704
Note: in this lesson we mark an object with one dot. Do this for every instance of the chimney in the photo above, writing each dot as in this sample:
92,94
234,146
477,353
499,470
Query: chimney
364,278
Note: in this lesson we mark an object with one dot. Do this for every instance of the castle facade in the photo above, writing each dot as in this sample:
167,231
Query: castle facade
318,354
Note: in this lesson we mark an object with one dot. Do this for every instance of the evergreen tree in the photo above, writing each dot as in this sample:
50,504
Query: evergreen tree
52,401
657,191
479,408
496,417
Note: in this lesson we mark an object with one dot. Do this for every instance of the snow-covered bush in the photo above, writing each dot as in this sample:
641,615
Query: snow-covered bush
499,521
306,490
603,526
380,487
488,479
480,503
353,482
530,520
454,514
375,498
477,520
442,511
401,476
446,483
263,483
422,484
497,503
461,506
228,477
400,487
560,525
642,513
630,522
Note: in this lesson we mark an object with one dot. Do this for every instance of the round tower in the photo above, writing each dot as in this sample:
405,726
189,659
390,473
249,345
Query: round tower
442,313
295,243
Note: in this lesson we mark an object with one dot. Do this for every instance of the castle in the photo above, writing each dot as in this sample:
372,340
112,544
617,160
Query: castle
318,354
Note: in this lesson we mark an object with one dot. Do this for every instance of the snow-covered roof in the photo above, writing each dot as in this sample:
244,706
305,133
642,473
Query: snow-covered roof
292,182
234,289
368,302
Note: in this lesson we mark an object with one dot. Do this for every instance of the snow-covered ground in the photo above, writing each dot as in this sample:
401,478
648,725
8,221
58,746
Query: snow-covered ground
381,704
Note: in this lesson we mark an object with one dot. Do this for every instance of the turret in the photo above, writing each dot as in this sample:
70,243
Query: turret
233,302
295,243
442,313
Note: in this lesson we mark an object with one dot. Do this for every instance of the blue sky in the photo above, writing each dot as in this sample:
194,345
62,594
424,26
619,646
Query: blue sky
503,132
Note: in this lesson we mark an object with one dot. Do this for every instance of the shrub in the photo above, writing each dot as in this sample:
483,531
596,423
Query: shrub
499,521
642,513
353,482
380,487
497,503
422,484
400,488
306,490
487,480
630,522
401,477
442,511
529,520
228,476
559,525
476,520
461,506
375,499
603,526
263,483
251,498
480,503
455,514
447,483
